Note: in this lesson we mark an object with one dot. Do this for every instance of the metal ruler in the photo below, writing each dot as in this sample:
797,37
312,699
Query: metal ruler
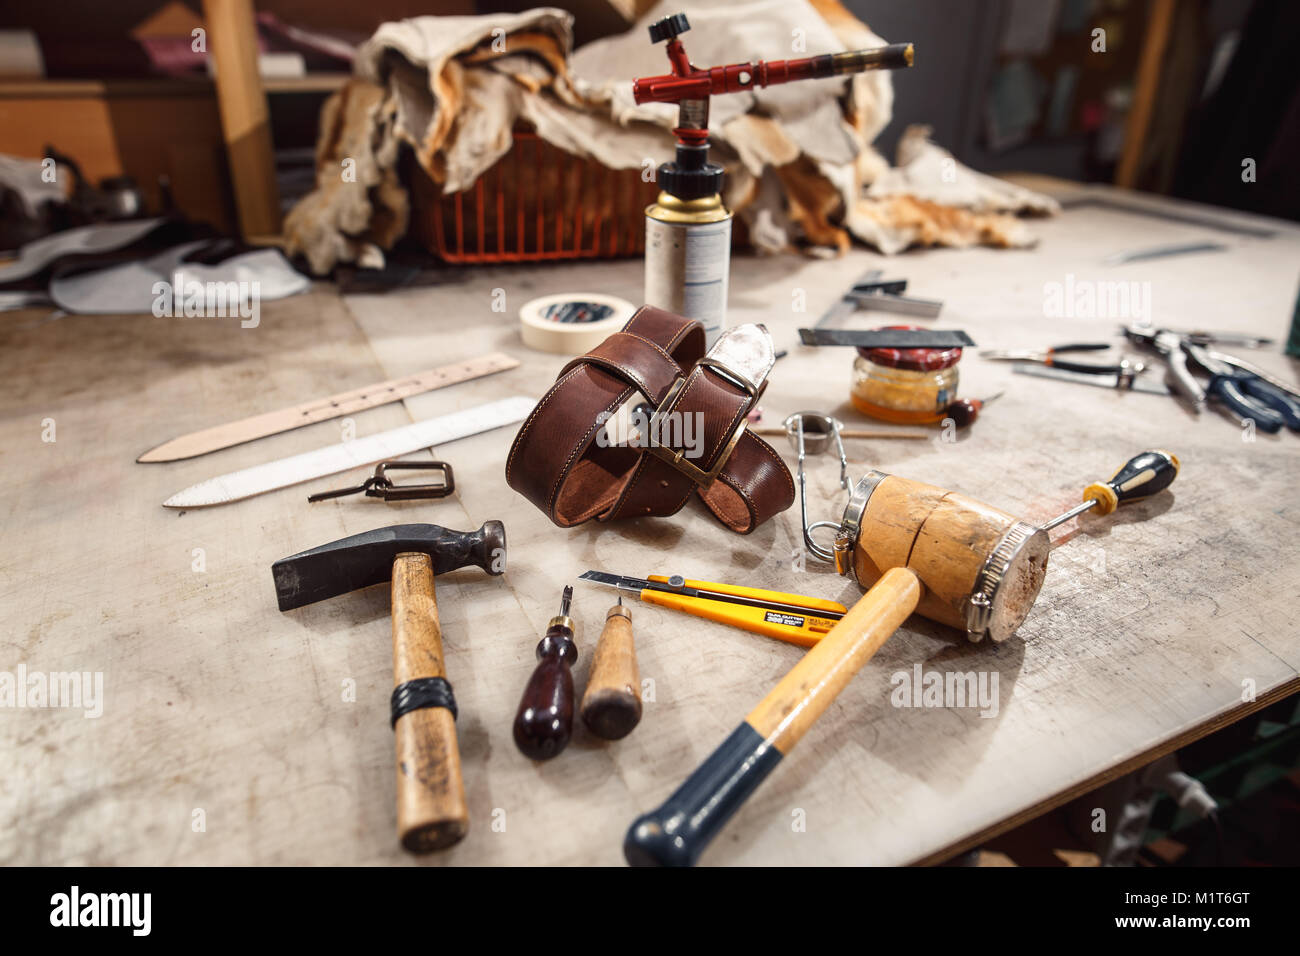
357,453
344,403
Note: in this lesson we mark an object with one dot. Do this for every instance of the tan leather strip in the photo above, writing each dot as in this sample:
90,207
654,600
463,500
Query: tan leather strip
323,409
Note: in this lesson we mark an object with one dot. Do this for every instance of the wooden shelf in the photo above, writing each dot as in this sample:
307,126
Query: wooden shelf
160,86
311,83
82,89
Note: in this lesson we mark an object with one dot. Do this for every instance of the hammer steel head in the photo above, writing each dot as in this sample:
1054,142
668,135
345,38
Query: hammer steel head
365,559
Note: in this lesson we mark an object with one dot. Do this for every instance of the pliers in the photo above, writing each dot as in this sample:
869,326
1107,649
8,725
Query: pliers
1168,345
1249,395
1125,368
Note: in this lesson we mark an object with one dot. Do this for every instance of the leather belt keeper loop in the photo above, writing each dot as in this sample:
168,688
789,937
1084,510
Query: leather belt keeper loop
562,462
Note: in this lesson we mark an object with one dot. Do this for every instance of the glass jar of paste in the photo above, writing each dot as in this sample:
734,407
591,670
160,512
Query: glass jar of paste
908,386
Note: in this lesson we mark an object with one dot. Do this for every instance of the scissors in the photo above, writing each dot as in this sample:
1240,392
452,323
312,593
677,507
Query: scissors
1248,394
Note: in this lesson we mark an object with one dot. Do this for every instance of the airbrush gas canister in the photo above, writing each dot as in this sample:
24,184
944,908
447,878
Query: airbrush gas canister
688,229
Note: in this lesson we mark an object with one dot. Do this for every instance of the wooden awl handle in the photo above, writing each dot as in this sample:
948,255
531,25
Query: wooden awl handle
611,705
431,809
676,833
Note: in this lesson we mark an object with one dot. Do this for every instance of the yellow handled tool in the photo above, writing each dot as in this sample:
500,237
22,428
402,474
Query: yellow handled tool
787,617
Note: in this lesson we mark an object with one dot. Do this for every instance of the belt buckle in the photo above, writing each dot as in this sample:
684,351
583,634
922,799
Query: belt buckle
379,485
390,491
677,459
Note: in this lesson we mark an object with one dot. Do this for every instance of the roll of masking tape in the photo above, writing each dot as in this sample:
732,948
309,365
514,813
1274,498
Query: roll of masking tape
572,323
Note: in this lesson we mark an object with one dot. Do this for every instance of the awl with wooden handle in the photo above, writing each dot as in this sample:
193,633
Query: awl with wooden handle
611,705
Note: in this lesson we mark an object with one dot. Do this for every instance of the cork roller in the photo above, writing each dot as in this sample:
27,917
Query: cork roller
950,541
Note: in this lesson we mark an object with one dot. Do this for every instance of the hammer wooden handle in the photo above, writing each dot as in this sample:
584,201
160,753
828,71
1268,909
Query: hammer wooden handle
611,705
676,833
431,808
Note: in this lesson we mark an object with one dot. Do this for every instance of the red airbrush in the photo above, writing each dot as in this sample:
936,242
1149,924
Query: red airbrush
690,87
688,229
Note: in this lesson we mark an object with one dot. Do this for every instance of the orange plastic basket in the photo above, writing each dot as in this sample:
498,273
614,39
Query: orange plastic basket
536,204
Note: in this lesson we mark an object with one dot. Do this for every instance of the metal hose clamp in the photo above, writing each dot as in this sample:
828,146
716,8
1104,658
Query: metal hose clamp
985,615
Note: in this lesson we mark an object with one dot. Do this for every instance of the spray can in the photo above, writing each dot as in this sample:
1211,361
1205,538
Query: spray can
688,241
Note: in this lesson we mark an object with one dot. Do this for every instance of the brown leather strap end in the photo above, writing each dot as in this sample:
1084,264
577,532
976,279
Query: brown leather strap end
755,485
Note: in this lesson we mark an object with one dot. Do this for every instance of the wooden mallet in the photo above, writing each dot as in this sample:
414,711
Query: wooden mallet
920,549
431,809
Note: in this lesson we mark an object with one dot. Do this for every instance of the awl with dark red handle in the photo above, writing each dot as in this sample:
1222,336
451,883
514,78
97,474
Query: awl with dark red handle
544,721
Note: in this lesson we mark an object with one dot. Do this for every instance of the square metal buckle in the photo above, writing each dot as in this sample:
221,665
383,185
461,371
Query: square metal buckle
677,459
392,492
379,485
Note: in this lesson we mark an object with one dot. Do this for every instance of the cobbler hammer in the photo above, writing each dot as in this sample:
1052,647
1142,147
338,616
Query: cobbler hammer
431,808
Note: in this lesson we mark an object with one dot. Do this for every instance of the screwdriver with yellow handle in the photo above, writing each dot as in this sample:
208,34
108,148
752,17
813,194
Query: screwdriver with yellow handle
1141,476
794,618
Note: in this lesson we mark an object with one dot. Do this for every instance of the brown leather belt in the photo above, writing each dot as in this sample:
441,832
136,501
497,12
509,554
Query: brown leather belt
561,462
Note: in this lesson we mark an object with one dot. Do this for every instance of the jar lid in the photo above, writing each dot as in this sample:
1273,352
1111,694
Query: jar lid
916,360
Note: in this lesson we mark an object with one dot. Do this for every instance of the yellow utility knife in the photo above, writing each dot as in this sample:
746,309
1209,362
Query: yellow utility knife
787,617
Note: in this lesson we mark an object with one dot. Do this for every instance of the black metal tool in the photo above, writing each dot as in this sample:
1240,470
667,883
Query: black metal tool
367,558
878,287
379,485
888,338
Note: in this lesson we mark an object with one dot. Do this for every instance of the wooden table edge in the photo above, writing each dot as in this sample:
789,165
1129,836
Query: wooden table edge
1128,765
